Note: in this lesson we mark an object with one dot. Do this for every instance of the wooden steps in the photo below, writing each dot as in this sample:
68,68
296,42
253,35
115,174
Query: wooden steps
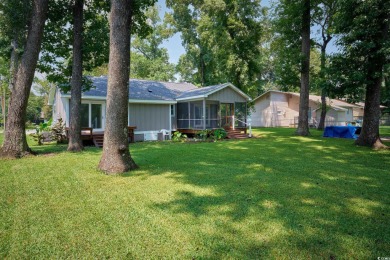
236,134
98,140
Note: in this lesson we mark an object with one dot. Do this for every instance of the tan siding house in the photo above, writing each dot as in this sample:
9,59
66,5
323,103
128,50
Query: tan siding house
281,109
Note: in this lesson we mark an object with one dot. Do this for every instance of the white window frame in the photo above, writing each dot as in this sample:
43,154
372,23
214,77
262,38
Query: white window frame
103,107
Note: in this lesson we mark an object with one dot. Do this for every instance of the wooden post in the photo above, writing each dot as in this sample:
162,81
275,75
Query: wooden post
204,113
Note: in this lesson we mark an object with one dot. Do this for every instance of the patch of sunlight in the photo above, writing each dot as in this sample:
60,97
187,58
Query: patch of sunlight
327,222
329,177
205,164
364,178
305,139
270,231
256,166
333,159
17,167
237,147
269,204
259,167
363,206
308,202
307,185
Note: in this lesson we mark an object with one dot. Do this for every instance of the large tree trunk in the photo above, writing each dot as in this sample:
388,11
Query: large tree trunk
116,157
15,143
303,119
369,135
75,143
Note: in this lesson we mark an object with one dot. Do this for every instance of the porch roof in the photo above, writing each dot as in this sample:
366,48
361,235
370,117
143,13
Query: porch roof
207,91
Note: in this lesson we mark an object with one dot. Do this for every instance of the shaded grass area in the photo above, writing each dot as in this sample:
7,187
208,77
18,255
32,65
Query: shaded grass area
275,196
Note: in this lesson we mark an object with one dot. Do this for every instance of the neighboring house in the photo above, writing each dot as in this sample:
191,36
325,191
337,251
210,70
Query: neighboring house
277,108
155,106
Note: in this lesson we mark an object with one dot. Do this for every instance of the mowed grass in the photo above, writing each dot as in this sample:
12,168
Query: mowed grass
274,196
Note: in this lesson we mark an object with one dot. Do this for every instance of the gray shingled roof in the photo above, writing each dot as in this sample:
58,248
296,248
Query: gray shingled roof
142,89
201,91
154,90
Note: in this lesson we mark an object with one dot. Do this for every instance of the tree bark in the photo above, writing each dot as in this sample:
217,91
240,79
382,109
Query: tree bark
116,156
13,61
75,143
15,143
369,135
303,119
321,124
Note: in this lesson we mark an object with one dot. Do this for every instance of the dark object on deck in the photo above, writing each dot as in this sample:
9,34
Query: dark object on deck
130,132
342,131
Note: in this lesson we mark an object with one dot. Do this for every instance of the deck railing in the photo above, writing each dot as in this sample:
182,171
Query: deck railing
245,123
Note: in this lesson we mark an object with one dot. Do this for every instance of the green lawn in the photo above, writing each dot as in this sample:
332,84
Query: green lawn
276,196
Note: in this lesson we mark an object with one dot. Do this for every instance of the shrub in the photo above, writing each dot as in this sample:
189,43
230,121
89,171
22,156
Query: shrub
178,137
218,134
43,131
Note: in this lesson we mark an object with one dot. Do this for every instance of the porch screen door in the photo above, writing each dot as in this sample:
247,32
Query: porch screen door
227,112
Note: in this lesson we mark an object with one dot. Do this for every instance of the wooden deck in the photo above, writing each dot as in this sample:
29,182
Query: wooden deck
97,137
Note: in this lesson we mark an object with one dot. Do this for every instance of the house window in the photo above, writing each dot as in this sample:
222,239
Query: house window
84,113
172,110
91,115
280,112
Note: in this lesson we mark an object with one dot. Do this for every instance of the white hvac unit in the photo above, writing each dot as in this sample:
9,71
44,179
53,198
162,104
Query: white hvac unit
151,136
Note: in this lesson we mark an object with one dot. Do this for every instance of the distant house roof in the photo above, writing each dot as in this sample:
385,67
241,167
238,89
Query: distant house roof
155,91
334,103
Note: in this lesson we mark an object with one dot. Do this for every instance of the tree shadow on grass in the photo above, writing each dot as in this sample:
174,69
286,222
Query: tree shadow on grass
286,197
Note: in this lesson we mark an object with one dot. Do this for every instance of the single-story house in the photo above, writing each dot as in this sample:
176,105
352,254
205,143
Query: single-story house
156,106
281,109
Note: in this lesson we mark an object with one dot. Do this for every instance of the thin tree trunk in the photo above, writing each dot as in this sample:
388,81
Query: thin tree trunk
303,119
13,61
116,157
15,143
369,135
321,124
75,143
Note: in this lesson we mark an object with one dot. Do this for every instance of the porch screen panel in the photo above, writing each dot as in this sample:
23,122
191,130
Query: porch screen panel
84,113
212,116
240,114
196,115
183,121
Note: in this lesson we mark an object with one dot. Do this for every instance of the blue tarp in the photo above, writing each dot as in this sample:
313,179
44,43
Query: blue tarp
342,131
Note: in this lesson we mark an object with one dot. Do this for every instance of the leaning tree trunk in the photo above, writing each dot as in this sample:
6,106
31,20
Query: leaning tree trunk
369,135
15,143
116,157
13,61
303,119
321,124
75,143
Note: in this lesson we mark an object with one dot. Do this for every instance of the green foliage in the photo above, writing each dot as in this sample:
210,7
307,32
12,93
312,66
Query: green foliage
221,39
42,132
178,137
203,134
218,134
34,108
363,43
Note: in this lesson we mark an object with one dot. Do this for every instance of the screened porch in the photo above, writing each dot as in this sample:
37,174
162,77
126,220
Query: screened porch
206,114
